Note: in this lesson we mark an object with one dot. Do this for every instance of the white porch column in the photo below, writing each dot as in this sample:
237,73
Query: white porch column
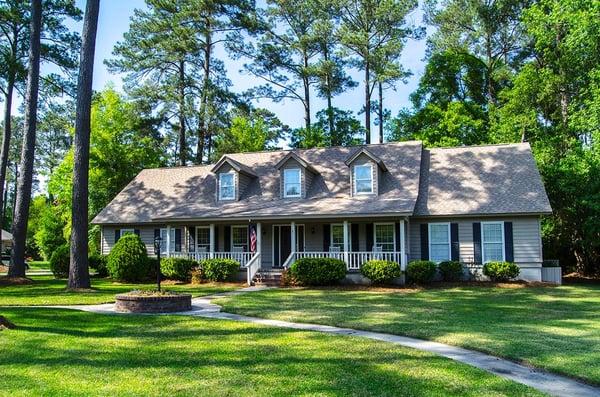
346,243
402,245
211,234
293,235
168,241
258,238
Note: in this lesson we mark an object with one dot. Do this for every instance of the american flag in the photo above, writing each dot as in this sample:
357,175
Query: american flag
252,238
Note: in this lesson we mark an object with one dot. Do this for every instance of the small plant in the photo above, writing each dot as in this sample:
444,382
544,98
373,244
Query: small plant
197,276
177,268
381,272
60,261
318,271
501,271
98,263
421,272
219,269
451,270
128,260
287,278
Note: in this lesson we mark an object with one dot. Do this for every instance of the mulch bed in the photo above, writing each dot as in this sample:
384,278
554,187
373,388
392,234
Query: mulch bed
578,278
6,281
5,324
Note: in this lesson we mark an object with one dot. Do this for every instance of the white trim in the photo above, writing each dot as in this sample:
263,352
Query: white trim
221,174
501,223
449,239
285,195
231,237
354,184
196,245
293,248
375,234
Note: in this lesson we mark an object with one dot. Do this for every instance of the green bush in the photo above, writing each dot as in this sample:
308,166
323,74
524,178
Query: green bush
177,268
128,260
381,272
59,261
501,271
318,271
451,270
219,269
420,272
98,263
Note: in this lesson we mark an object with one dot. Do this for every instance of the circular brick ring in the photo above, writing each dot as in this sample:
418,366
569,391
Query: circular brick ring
153,304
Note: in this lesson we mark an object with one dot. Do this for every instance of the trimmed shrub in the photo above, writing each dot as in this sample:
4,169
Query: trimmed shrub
177,268
318,271
451,270
381,272
287,278
98,263
219,269
128,260
197,276
420,272
501,271
59,261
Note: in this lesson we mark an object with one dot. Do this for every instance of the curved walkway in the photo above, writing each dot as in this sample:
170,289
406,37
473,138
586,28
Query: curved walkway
555,385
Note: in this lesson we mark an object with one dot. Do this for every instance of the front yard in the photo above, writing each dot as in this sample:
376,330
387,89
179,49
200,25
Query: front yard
556,328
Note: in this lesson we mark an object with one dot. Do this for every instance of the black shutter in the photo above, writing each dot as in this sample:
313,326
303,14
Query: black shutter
370,237
136,232
326,237
508,242
117,234
477,242
156,233
454,244
397,236
191,238
424,228
216,236
354,235
227,238
177,240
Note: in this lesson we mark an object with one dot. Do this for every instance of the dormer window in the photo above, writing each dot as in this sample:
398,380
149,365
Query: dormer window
291,182
227,186
363,179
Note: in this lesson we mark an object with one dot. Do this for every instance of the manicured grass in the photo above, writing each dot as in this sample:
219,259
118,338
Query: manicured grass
556,328
39,265
56,352
46,290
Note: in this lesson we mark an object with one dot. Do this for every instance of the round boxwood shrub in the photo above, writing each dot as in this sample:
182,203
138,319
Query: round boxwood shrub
128,260
98,263
420,272
219,269
59,261
318,271
501,271
381,272
451,270
177,268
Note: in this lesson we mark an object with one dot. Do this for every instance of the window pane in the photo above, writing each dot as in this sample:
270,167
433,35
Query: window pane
384,237
203,237
363,179
292,176
337,236
363,172
240,237
492,252
439,234
363,186
439,252
292,189
227,187
492,232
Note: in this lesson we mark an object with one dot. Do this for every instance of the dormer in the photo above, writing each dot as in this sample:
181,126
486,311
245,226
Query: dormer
365,172
232,178
295,176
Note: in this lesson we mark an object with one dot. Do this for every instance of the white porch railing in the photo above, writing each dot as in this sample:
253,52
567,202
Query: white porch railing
242,257
353,260
252,267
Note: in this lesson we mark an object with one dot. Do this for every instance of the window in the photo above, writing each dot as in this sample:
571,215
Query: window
239,238
363,179
226,186
172,246
439,242
385,236
291,182
126,231
203,239
337,236
492,241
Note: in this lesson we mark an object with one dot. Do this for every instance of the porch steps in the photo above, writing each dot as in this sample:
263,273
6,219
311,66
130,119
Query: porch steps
271,278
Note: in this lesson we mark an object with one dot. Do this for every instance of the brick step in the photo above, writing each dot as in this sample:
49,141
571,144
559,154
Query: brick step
268,278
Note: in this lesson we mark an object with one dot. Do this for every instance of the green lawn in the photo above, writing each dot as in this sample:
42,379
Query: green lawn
46,290
556,328
68,353
39,265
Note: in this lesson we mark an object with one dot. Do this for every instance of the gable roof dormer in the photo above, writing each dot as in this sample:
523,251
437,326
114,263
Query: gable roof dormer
236,165
302,178
365,172
232,178
366,152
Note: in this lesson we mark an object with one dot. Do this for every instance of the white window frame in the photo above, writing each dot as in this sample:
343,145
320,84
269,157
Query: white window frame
331,236
354,182
285,194
447,224
247,237
375,244
196,242
501,223
221,175
123,232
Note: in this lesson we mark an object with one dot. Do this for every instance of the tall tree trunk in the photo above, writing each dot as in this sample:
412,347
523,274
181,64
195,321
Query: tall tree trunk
367,103
79,276
334,140
203,118
306,94
380,111
19,228
182,140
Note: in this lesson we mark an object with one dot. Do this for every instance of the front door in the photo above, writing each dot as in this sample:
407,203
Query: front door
282,246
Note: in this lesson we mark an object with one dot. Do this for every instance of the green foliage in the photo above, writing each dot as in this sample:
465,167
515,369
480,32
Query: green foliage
197,276
347,131
128,259
49,234
177,268
420,272
60,261
247,134
501,271
99,264
451,270
380,271
318,271
219,269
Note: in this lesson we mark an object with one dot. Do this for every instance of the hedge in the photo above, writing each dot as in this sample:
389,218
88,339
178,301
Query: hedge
420,272
177,268
451,270
128,260
501,271
60,261
380,271
219,269
318,271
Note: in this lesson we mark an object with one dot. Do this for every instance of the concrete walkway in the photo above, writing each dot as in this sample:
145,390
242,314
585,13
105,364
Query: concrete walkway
555,385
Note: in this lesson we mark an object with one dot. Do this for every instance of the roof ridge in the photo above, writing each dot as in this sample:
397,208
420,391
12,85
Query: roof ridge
482,145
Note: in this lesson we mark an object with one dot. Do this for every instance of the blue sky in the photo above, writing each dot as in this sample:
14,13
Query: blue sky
114,21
